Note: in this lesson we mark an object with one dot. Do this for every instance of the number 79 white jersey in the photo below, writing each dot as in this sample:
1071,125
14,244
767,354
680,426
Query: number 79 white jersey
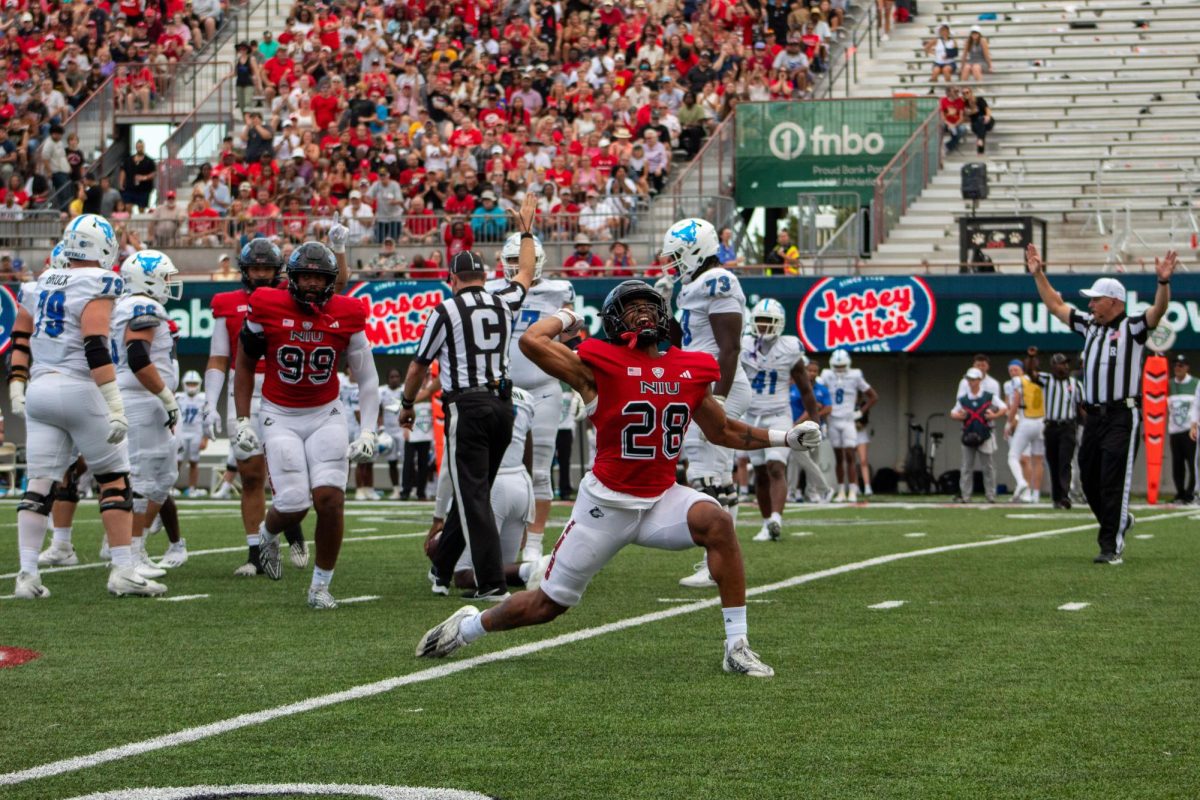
715,291
138,312
56,303
770,372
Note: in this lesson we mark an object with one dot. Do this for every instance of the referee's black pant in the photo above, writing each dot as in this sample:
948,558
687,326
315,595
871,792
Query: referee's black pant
563,441
1060,449
1183,466
478,429
1106,457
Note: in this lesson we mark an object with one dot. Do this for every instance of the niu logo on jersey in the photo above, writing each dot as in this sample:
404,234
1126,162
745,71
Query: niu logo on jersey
306,336
658,387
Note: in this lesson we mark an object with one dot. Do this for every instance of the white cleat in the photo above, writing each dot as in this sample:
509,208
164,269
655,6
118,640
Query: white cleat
126,581
176,555
105,555
840,497
223,492
537,574
763,534
853,496
825,497
774,530
58,556
145,567
435,587
268,555
299,554
742,660
247,570
395,495
700,579
442,640
868,491
29,587
1018,494
320,598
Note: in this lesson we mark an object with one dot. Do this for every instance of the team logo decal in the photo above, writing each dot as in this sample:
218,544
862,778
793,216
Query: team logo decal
396,312
867,313
658,372
8,317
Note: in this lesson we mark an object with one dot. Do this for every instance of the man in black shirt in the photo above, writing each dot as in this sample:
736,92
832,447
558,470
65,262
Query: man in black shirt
137,177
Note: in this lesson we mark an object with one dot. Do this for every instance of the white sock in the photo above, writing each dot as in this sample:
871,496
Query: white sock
775,517
121,556
62,535
321,576
135,545
31,532
735,624
1037,496
29,563
533,541
252,539
472,628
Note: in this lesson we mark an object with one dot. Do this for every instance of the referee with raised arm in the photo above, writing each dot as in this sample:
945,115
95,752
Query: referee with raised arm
1064,394
1113,347
468,334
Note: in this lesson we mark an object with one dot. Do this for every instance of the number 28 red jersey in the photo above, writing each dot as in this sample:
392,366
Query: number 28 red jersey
303,348
643,408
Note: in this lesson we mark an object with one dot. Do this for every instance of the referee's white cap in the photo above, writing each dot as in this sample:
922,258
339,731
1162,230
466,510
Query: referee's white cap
1106,287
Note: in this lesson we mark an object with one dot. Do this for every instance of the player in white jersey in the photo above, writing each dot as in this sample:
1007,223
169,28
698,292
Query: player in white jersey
389,409
146,374
844,385
364,474
192,432
72,402
545,296
772,362
512,502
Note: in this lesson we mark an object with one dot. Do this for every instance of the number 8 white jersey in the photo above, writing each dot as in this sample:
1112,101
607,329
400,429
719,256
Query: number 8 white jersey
543,299
843,390
715,291
56,303
770,373
137,312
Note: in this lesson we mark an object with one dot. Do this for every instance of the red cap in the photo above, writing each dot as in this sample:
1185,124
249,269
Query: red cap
170,195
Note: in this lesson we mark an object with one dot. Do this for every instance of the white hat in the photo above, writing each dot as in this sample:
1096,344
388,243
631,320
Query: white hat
976,29
974,374
1106,287
356,193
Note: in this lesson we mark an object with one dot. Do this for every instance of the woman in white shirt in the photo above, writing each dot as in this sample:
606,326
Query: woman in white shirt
945,55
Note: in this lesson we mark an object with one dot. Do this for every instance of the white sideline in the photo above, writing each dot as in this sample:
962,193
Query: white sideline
453,667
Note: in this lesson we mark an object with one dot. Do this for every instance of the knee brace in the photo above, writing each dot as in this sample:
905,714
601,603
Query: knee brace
115,498
139,503
724,493
38,502
68,492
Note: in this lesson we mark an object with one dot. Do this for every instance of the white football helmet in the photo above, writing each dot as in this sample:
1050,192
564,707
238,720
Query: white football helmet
384,444
686,246
152,273
769,313
58,259
90,237
510,256
191,382
840,360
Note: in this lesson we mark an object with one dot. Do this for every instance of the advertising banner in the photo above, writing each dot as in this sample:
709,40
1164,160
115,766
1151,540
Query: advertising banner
786,149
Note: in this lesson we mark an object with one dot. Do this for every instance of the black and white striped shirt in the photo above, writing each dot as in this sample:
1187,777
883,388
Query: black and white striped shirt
1063,396
468,335
1112,356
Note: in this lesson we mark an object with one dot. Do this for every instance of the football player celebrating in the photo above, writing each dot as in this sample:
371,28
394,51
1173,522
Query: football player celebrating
771,361
193,437
147,376
545,297
641,401
844,385
72,403
303,331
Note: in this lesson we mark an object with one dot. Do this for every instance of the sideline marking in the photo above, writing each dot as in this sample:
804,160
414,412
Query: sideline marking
914,535
215,551
182,597
1073,606
366,598
275,789
363,530
1143,536
888,604
449,668
803,533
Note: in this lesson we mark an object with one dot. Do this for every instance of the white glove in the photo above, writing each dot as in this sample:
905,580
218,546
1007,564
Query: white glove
857,416
16,397
212,422
118,425
246,439
664,286
171,405
362,449
804,437
572,323
338,234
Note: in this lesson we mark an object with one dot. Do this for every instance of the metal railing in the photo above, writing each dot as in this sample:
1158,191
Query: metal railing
197,137
710,173
905,177
842,54
93,123
172,90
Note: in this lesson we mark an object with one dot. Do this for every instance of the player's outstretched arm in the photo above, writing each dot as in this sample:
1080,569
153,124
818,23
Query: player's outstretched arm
725,432
528,257
337,235
1052,299
539,344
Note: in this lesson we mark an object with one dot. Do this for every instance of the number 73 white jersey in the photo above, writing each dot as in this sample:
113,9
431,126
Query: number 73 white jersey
715,291
769,370
56,303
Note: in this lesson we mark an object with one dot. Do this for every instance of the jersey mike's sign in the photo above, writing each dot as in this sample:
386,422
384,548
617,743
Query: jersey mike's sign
396,312
866,313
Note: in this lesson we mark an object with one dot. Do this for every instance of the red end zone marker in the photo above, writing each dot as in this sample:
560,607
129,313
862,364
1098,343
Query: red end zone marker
16,656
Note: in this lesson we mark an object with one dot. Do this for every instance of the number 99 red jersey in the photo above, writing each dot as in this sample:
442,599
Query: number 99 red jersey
643,408
303,349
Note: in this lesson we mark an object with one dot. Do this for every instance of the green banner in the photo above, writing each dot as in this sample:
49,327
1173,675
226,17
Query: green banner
787,149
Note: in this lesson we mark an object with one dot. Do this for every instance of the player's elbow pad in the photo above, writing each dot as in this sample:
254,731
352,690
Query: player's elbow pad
97,351
138,353
254,343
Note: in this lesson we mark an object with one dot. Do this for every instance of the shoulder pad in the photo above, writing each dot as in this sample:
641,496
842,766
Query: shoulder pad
144,321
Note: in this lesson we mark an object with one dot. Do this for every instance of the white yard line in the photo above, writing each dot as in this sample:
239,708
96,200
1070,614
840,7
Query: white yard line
1073,606
446,669
179,598
886,604
366,598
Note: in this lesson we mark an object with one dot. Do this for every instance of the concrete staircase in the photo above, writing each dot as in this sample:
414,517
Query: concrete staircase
1094,128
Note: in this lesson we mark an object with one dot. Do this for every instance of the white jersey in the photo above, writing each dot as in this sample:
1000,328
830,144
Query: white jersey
56,302
389,405
191,413
348,394
716,291
572,411
843,390
138,312
543,299
770,372
422,429
514,456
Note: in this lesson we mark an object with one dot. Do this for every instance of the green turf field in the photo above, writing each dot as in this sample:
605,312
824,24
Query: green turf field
977,686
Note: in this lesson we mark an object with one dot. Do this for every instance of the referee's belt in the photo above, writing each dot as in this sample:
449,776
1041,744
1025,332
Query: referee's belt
501,389
1116,406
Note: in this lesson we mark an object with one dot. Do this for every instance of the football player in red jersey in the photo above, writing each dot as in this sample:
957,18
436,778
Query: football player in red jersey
640,400
303,330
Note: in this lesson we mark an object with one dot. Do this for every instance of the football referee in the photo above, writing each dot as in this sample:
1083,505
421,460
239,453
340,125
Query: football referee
1063,393
468,334
1113,345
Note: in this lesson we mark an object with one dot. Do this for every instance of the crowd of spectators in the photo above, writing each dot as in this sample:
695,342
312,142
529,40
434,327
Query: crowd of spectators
423,124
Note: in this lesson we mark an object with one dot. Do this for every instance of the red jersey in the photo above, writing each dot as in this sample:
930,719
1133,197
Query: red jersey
230,308
303,348
643,408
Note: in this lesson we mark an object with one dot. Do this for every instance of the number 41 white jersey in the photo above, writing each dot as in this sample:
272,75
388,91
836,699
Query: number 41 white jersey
138,312
543,299
770,372
56,303
716,291
843,389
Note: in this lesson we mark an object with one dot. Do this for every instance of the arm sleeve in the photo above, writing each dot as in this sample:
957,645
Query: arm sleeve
433,338
362,367
214,386
219,343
